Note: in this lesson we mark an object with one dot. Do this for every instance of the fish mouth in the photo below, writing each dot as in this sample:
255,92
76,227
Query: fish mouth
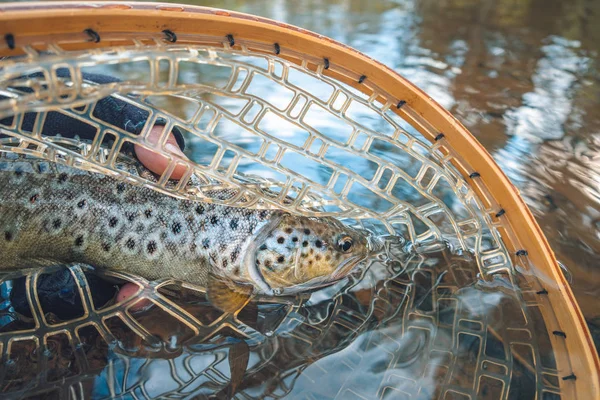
344,268
322,281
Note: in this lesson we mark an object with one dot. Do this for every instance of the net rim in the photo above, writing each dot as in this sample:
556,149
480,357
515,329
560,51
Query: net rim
32,24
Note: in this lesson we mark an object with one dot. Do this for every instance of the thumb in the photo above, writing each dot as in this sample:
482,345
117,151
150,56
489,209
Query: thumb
156,162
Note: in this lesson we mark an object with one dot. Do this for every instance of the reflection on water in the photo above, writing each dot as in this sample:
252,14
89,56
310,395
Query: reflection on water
554,80
521,75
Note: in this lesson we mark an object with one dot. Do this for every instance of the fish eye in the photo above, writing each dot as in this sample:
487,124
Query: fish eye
345,243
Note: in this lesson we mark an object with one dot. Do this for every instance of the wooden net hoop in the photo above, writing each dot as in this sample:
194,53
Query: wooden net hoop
38,35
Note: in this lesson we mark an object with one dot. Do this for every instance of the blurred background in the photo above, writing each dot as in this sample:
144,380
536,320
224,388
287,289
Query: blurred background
521,75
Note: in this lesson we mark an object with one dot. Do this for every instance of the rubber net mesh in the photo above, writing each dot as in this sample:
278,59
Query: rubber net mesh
280,134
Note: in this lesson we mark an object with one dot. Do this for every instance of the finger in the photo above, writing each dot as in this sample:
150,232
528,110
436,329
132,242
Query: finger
156,162
128,290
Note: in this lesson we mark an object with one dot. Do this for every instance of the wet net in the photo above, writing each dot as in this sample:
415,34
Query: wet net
455,309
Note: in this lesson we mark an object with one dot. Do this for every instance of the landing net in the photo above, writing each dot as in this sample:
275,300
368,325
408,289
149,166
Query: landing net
290,120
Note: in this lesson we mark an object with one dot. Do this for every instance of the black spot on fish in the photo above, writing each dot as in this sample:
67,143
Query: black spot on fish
280,259
268,265
131,216
310,262
106,247
176,228
307,231
214,220
34,198
289,231
56,223
8,236
222,247
263,247
79,241
199,209
328,257
262,214
318,257
235,254
18,172
148,213
236,271
257,261
112,222
294,239
130,243
234,224
319,244
62,178
120,187
280,240
225,262
312,251
206,243
151,247
304,244
81,204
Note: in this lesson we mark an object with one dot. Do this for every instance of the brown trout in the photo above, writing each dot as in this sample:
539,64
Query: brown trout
52,214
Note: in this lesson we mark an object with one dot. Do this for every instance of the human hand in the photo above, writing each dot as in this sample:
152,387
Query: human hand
156,163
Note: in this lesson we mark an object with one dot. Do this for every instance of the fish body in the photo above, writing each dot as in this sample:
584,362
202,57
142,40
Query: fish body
51,214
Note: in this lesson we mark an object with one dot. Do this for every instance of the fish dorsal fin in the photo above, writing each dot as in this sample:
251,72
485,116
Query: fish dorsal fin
226,296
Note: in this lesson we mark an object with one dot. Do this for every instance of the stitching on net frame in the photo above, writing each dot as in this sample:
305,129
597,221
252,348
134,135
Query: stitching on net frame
10,40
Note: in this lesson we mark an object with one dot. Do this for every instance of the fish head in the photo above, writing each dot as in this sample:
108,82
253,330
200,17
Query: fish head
298,254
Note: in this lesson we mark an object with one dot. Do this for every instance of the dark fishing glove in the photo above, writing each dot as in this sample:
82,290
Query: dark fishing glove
112,111
59,295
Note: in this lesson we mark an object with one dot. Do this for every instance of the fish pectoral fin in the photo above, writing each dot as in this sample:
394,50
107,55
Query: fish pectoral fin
228,297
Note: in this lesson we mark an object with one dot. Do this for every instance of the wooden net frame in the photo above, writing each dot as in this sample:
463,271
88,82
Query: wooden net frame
494,222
